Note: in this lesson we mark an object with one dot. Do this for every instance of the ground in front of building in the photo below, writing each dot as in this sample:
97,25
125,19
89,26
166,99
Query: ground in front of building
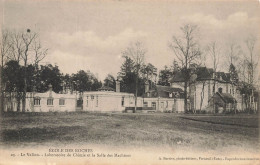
178,131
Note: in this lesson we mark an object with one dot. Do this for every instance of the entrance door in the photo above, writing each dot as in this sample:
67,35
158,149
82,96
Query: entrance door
162,106
79,104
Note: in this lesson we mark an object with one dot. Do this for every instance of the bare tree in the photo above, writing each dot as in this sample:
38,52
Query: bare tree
137,53
214,52
187,51
28,39
39,52
233,56
251,62
251,59
17,46
5,47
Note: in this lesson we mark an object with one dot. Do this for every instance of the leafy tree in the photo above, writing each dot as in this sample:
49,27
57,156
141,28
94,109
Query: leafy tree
12,76
127,66
136,52
85,81
50,75
164,76
13,80
128,84
149,72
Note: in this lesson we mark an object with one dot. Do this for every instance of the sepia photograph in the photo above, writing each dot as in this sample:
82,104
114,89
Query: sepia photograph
129,82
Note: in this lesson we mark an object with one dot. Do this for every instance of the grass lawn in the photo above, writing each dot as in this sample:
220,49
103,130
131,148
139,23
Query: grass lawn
198,132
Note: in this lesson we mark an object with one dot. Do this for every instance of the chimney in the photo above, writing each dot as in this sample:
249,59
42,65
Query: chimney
50,87
117,86
146,87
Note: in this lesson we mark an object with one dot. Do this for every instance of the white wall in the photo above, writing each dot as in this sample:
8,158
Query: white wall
107,101
70,102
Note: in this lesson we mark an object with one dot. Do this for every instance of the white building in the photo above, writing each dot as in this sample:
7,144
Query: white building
44,102
200,91
164,99
107,101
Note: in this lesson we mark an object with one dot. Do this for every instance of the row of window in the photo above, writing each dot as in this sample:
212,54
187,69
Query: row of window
37,101
153,104
92,97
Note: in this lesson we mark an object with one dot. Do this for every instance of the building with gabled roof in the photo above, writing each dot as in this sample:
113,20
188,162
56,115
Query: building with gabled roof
222,102
201,89
164,98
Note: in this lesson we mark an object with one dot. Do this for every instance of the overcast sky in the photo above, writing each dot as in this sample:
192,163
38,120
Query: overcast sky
91,35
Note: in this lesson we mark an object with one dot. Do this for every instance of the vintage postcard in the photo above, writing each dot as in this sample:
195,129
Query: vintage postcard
129,82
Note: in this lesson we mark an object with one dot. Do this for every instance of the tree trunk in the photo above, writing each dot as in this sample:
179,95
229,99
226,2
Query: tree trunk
185,97
1,86
24,89
202,95
18,98
136,91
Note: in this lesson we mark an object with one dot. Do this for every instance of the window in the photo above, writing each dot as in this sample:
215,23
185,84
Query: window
37,101
230,91
166,104
123,101
145,104
96,101
154,105
61,101
92,97
170,94
87,101
220,90
50,101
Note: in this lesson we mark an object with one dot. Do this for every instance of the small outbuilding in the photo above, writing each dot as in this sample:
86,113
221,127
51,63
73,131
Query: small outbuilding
222,102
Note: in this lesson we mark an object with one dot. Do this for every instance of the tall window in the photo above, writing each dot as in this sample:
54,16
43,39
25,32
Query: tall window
123,101
220,90
50,101
61,101
145,104
37,101
154,105
87,101
96,101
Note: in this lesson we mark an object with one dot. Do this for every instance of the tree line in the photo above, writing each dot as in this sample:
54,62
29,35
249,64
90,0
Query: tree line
22,51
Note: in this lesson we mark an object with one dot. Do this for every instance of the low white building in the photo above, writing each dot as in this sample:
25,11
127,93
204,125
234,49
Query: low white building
164,99
44,102
107,101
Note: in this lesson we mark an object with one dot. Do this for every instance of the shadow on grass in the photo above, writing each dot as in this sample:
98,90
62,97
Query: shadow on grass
40,134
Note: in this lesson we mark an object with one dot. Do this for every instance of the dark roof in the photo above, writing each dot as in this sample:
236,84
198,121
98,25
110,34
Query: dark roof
203,73
227,98
177,77
163,91
106,88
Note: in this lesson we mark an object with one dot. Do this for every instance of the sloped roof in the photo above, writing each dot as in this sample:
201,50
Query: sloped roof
177,77
106,88
227,98
163,91
202,73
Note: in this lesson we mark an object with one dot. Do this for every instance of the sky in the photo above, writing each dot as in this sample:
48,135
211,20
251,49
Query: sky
91,35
